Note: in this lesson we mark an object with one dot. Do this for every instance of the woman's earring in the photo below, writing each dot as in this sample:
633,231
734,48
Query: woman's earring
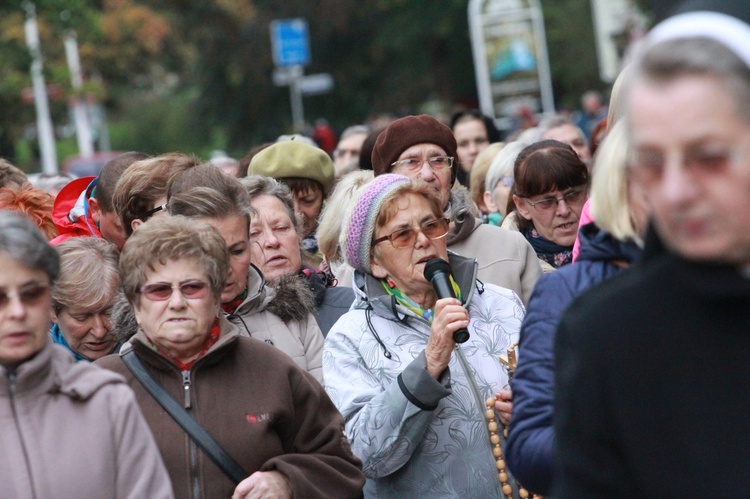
391,284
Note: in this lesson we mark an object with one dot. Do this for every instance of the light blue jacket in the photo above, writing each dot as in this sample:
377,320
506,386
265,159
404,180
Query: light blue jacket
417,436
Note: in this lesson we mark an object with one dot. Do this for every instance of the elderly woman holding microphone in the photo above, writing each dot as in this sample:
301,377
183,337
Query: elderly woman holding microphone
272,418
414,400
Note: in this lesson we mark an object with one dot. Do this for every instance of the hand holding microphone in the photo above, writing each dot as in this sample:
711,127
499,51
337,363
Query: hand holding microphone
437,271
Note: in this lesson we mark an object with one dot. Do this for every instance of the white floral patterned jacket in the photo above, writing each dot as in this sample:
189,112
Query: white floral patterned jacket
417,436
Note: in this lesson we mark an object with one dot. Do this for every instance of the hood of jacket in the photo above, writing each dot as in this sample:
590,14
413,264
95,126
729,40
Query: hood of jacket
70,209
370,292
598,245
294,300
317,281
54,370
259,295
122,317
463,216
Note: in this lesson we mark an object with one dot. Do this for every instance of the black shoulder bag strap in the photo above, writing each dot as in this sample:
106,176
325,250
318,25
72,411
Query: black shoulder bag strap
197,432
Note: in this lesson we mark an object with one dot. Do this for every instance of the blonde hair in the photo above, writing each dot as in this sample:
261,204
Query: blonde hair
479,171
616,98
88,274
331,220
610,203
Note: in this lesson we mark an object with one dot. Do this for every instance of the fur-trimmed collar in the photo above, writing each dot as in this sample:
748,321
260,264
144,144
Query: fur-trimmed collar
463,215
294,301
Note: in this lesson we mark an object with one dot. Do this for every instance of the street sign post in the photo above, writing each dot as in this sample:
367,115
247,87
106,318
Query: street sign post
316,84
290,42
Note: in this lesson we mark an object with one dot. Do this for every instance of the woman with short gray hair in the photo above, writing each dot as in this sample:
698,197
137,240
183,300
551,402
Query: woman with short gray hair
275,246
83,296
69,428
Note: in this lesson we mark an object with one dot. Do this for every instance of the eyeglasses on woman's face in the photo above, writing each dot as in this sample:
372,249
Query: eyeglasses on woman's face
571,197
435,228
414,164
161,291
30,294
148,214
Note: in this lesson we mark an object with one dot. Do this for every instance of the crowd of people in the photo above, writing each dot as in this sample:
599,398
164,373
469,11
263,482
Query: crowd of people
269,327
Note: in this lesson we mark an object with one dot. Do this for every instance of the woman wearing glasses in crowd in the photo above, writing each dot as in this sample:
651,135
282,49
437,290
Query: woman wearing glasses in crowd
141,191
413,399
272,417
68,429
550,189
608,246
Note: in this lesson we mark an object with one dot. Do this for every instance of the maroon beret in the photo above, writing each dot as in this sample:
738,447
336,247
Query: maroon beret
406,132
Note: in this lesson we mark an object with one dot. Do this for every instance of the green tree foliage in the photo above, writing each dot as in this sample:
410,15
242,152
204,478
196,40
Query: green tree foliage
571,48
196,74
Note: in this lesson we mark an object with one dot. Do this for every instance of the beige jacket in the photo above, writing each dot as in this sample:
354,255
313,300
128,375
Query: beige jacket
292,329
71,430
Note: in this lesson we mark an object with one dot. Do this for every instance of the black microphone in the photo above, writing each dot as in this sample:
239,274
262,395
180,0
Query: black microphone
438,272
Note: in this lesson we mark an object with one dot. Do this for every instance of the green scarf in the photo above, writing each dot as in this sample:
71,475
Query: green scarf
410,304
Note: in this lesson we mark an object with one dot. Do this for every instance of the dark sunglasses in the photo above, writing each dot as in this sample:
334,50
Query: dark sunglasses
145,216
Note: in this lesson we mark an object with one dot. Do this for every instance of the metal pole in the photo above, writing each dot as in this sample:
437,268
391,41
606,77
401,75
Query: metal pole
43,118
80,115
295,96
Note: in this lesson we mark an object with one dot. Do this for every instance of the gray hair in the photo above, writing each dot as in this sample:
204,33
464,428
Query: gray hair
502,165
259,185
556,121
89,273
668,60
354,130
22,240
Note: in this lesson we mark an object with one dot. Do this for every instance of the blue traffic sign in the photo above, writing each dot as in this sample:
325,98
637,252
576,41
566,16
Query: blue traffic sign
290,42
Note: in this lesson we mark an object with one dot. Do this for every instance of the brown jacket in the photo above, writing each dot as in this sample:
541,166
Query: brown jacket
71,430
265,411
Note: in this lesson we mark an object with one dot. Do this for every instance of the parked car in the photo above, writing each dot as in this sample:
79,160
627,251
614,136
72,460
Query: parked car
88,166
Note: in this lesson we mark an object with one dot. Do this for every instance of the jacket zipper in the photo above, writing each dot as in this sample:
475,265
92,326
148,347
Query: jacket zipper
12,393
192,447
477,397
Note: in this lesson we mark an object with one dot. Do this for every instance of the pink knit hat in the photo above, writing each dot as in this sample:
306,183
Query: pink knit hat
356,238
